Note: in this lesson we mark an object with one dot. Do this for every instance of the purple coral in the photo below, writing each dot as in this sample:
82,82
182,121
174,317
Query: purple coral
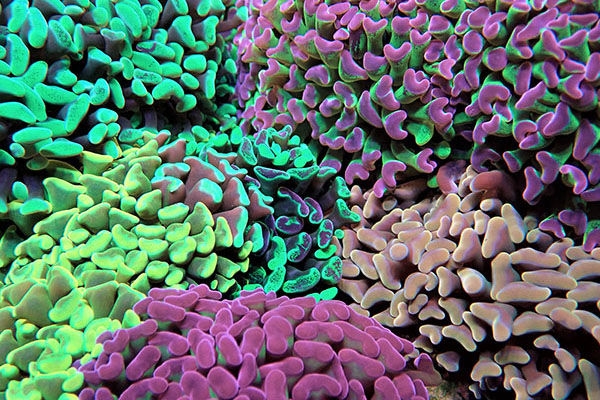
391,90
258,346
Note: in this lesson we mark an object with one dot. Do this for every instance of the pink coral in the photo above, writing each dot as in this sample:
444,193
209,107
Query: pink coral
191,344
466,272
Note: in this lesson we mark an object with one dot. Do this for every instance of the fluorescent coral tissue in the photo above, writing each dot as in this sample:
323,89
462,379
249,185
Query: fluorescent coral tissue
299,199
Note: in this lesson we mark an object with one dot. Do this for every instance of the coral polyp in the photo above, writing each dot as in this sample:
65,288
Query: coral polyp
299,199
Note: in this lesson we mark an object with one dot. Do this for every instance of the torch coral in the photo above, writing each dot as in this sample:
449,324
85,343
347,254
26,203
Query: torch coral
294,244
391,89
150,147
479,285
108,241
93,76
258,346
118,230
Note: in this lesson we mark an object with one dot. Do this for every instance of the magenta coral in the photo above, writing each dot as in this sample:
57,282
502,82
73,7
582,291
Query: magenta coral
391,90
191,344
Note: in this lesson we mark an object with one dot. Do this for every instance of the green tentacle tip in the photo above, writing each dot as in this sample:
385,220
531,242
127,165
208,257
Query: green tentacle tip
432,182
76,111
422,132
150,231
174,213
187,103
18,54
61,148
344,214
95,164
275,279
34,246
62,194
97,243
8,372
6,158
55,224
17,11
302,283
203,267
156,248
136,260
109,259
10,86
123,238
35,305
223,233
100,92
119,217
65,307
157,270
171,70
166,89
207,83
181,29
19,191
182,251
148,204
96,217
116,93
8,242
54,94
195,63
223,284
331,272
178,231
145,62
31,135
17,111
279,255
329,293
22,356
228,268
205,241
136,182
131,17
443,150
199,218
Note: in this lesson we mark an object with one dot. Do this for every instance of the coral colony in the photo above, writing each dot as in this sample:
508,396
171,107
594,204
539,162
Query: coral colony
299,199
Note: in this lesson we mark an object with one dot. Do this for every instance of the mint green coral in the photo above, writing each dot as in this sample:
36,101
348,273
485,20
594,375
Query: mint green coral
107,243
96,77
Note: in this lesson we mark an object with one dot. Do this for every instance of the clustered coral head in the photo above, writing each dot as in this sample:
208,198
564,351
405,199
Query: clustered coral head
391,90
477,285
191,344
201,158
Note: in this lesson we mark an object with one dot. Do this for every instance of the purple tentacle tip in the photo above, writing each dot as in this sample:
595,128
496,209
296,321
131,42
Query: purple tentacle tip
259,346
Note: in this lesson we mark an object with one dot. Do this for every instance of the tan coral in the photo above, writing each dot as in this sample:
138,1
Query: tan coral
468,270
